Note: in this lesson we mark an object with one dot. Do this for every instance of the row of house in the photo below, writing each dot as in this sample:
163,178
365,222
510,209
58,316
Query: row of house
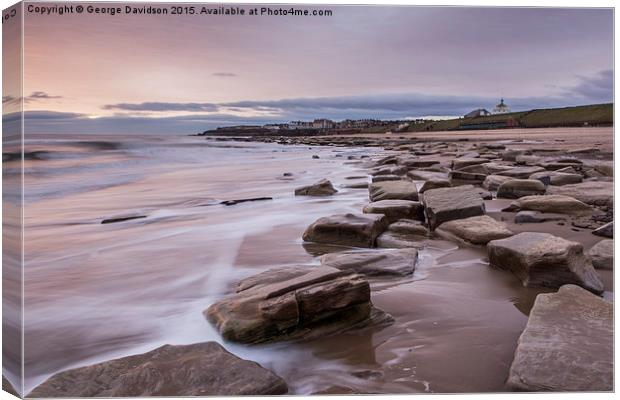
326,124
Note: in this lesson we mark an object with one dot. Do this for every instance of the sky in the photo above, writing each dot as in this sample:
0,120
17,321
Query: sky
87,73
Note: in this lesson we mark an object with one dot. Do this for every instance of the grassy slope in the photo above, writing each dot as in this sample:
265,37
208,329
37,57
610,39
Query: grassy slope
596,114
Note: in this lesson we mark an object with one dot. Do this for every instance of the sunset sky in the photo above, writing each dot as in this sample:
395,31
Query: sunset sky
184,74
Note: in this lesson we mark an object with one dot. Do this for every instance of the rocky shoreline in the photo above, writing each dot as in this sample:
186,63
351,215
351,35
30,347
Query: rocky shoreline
421,190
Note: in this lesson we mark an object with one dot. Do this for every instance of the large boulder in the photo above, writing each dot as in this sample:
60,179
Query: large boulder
357,230
320,188
550,204
567,344
477,230
393,190
202,369
388,262
447,204
516,188
320,302
602,254
596,193
396,209
541,259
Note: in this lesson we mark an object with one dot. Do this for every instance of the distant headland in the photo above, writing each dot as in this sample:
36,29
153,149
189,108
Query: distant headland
501,118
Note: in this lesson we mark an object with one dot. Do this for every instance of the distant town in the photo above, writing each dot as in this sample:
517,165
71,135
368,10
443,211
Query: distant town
500,117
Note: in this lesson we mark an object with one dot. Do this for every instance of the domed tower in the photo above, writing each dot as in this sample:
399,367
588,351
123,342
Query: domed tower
501,108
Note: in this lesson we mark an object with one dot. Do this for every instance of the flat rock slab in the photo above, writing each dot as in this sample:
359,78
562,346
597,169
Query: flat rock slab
542,259
385,262
419,175
521,172
357,230
493,182
477,230
393,190
567,344
396,209
322,301
596,193
202,369
551,203
517,188
435,184
462,162
446,204
320,188
602,254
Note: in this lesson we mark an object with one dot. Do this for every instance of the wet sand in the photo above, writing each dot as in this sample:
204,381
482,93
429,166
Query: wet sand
96,292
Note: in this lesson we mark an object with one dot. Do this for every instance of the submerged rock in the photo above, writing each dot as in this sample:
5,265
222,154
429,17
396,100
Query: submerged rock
541,259
446,204
551,204
523,217
357,230
567,344
320,302
389,262
393,190
396,209
202,369
602,254
516,188
321,188
474,230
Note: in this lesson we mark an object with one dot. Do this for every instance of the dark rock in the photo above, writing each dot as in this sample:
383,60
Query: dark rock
541,259
321,302
122,219
234,202
202,369
320,188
